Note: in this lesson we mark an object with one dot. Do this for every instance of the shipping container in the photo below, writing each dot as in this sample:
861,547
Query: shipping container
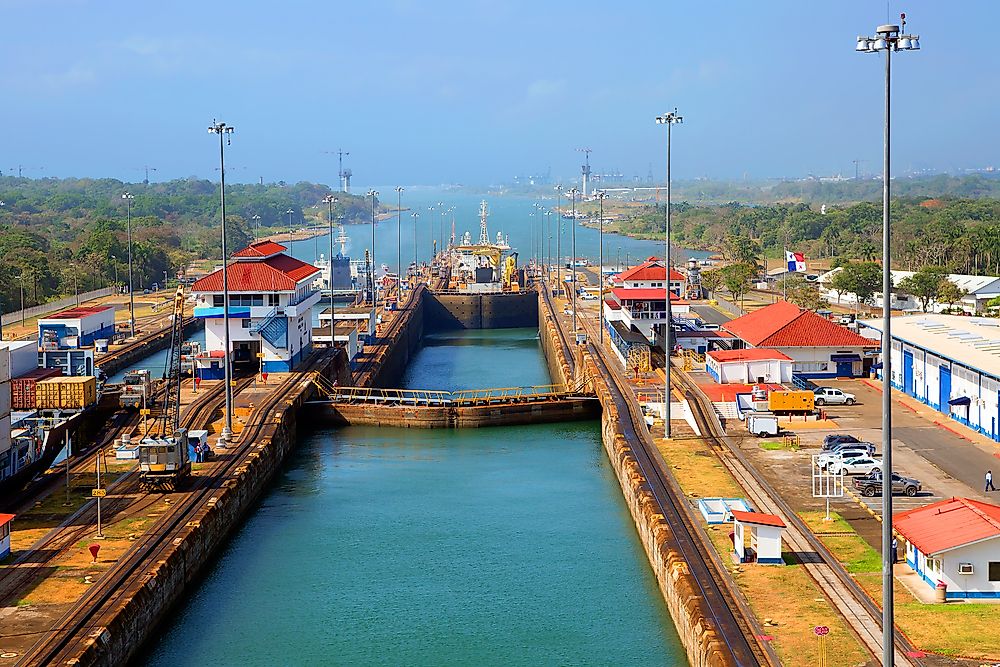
22,389
4,399
23,356
4,364
791,401
66,393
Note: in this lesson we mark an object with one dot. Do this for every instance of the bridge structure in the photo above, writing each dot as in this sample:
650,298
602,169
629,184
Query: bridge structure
429,408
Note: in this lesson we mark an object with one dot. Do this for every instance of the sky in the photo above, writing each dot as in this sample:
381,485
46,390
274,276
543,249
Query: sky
478,91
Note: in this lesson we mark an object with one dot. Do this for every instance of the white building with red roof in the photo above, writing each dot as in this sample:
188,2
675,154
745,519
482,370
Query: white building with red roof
270,309
651,273
817,347
955,542
748,366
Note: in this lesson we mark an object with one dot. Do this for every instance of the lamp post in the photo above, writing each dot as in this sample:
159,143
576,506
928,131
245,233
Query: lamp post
256,226
559,284
225,132
573,193
669,119
600,270
399,240
414,215
430,214
888,38
441,213
289,212
374,195
128,197
22,298
331,200
548,248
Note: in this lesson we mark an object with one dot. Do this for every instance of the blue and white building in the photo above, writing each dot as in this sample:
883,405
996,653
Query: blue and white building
271,297
949,362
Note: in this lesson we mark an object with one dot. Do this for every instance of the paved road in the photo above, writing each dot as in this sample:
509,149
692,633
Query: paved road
710,314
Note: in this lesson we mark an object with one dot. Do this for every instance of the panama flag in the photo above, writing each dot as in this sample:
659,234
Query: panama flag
796,261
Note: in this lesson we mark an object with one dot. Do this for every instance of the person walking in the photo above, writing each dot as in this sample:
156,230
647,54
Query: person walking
895,550
989,481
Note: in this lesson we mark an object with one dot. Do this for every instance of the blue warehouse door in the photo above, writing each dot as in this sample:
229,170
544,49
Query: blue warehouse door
944,389
908,372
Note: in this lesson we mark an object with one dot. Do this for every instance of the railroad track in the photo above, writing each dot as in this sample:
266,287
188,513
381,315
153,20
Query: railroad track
729,613
98,605
366,371
863,616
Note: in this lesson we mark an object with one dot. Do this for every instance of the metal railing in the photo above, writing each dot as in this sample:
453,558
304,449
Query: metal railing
434,397
14,317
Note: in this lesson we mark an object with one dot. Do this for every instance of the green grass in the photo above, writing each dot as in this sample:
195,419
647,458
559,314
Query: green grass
843,542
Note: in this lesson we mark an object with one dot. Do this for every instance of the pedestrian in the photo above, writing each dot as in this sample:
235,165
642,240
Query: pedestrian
895,550
198,453
989,481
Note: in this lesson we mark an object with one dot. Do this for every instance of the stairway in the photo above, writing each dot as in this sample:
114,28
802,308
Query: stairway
273,329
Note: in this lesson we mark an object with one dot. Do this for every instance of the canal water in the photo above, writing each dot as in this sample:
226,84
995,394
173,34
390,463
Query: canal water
156,363
387,546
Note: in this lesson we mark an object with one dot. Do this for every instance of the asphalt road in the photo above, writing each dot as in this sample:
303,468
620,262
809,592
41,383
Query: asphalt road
710,314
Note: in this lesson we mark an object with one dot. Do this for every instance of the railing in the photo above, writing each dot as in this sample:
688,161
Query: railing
52,306
433,397
800,382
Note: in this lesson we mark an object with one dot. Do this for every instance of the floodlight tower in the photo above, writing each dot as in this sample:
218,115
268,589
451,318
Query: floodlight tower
669,119
888,38
225,133
585,169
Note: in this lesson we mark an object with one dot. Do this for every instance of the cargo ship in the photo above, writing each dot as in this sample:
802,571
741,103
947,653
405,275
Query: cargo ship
486,266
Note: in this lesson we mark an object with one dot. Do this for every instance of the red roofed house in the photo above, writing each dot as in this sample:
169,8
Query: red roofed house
748,366
764,531
956,542
817,347
270,309
651,274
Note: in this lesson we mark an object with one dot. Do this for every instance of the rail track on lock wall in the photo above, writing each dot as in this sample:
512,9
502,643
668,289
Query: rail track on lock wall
862,615
732,619
366,371
92,612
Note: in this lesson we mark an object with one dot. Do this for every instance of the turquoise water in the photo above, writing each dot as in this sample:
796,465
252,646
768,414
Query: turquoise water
508,214
501,546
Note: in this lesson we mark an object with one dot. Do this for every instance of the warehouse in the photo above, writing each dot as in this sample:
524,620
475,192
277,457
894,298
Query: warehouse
949,362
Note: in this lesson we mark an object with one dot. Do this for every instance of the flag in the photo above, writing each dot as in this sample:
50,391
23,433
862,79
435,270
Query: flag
796,261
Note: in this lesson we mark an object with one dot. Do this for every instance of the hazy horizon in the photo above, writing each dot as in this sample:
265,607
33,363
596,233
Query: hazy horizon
475,93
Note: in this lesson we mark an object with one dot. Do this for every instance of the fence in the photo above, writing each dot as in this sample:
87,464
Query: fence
52,306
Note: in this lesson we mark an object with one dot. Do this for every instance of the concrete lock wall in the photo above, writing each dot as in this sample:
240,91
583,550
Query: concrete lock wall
458,416
444,312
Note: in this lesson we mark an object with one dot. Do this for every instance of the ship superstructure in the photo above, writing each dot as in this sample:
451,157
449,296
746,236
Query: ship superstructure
484,266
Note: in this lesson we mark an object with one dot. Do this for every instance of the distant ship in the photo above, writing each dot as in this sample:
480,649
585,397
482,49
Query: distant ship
486,266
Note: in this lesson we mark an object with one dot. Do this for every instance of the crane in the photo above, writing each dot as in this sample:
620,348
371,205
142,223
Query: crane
172,398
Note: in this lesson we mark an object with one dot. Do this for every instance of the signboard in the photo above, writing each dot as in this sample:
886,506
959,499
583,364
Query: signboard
821,630
260,355
98,493
144,412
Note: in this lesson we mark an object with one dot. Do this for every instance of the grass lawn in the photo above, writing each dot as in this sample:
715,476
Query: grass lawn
785,595
953,629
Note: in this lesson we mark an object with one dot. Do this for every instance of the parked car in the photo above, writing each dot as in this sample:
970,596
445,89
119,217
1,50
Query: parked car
837,438
861,465
871,485
865,447
833,458
833,396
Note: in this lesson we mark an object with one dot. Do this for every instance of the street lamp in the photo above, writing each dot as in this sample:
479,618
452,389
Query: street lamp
414,215
430,213
128,197
888,38
225,137
559,284
331,200
256,226
374,195
289,212
399,239
669,119
548,248
601,196
573,193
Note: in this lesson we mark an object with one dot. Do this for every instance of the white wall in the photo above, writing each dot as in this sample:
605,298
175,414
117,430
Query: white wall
979,554
768,542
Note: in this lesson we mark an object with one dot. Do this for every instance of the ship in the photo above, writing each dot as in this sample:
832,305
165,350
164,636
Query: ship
485,266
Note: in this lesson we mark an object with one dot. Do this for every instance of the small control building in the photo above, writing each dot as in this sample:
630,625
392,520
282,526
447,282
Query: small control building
271,297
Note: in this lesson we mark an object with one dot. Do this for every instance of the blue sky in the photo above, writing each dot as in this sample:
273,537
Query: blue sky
479,90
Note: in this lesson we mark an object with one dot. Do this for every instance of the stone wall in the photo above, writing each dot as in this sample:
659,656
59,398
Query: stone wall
447,312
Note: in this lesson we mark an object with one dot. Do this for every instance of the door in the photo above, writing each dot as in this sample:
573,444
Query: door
845,369
944,389
908,372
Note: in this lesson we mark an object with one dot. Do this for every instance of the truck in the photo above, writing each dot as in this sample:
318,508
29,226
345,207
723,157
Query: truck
791,402
762,424
137,388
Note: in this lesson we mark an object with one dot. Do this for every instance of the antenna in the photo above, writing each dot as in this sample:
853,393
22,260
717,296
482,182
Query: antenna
585,169
857,168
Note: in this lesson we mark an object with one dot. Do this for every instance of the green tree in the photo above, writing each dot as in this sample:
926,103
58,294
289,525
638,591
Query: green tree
736,278
950,293
802,293
925,284
711,280
862,279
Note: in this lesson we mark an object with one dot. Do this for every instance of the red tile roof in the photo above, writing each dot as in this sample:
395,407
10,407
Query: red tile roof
279,273
75,313
6,518
784,324
750,354
645,294
261,249
651,269
758,518
948,524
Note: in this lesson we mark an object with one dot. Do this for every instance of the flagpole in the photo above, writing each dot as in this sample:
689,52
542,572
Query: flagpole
784,277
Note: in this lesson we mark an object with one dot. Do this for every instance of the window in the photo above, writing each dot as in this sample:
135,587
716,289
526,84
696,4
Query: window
808,367
272,299
934,565
217,300
995,571
245,324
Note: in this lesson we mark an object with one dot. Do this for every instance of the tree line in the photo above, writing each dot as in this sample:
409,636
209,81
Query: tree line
62,235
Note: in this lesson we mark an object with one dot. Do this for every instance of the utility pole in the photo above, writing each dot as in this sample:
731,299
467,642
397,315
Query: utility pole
225,137
669,119
887,38
559,284
574,192
289,212
331,200
256,226
374,195
601,196
414,215
399,240
128,197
